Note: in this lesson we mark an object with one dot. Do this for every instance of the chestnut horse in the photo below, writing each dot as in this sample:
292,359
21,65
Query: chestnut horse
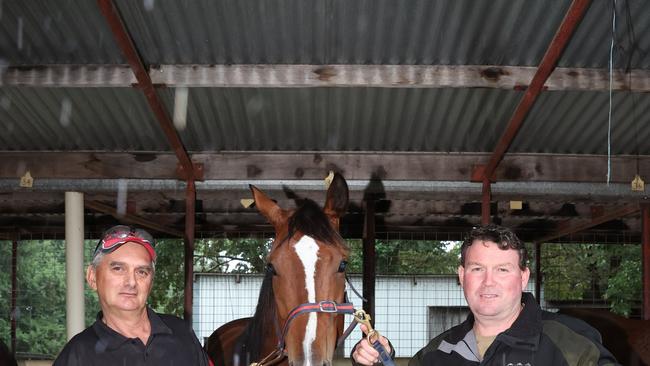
627,339
305,270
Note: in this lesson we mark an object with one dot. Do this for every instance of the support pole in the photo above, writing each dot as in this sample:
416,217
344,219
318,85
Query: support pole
190,208
74,262
645,255
369,259
485,203
538,272
14,292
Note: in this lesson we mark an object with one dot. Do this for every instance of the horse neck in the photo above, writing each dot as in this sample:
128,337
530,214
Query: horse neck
260,336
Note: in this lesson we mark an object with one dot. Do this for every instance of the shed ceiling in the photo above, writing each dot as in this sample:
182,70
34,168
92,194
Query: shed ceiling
413,95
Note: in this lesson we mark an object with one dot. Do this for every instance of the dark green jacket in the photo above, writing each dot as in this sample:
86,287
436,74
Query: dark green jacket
536,338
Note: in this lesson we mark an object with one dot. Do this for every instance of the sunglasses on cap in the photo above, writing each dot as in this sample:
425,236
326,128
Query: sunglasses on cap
114,237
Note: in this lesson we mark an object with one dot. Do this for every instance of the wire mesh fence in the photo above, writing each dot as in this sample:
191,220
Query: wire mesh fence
417,291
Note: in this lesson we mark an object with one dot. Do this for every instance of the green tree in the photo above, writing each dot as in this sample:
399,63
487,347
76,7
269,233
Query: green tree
246,255
408,256
593,272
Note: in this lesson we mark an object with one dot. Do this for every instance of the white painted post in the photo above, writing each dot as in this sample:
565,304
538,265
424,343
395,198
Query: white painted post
74,262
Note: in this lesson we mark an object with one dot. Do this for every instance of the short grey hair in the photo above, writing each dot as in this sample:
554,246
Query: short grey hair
100,255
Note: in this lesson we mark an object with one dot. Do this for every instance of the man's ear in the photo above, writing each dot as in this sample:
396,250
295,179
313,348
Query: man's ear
461,275
91,277
525,275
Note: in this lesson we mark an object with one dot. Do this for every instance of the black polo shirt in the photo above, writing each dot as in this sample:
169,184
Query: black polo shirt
172,342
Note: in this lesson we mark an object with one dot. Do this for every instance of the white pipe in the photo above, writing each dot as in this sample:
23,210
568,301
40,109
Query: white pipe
74,262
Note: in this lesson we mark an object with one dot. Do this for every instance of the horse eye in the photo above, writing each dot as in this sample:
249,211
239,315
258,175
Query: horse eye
342,266
270,269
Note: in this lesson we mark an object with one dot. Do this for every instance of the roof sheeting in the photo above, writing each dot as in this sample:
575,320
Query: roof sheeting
450,32
323,119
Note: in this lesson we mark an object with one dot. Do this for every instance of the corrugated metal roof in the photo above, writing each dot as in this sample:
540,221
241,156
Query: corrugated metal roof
570,122
348,119
376,119
457,32
323,119
41,32
68,119
450,32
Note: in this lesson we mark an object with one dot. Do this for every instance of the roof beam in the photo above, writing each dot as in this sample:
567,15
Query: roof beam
309,76
572,229
125,42
560,40
316,165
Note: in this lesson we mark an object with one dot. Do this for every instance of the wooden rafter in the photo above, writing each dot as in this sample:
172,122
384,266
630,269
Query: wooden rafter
576,228
305,76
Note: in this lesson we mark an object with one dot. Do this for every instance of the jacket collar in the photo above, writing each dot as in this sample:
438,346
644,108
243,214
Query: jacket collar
524,332
109,339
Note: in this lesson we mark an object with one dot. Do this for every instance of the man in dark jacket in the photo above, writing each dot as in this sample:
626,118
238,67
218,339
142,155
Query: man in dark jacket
506,326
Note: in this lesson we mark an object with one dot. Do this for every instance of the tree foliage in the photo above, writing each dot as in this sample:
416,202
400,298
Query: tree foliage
210,255
571,272
40,301
593,272
408,256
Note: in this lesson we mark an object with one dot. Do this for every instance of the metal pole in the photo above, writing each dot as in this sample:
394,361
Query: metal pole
14,292
485,203
74,262
190,202
538,272
369,259
645,255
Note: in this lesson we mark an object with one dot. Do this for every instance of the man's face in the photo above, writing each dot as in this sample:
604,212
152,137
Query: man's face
492,281
123,278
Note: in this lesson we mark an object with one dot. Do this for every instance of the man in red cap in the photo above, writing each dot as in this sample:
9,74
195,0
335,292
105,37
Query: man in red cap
126,331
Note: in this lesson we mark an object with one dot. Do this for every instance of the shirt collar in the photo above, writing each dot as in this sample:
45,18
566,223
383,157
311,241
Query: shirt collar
109,339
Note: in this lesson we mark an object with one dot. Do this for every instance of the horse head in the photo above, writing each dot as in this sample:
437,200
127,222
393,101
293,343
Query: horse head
306,265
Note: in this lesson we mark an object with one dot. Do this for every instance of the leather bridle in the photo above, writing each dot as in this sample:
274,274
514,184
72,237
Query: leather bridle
325,306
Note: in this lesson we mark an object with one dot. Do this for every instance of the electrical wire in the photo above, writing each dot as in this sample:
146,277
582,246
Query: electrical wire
611,81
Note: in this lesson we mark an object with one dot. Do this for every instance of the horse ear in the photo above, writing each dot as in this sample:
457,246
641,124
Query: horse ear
267,207
336,203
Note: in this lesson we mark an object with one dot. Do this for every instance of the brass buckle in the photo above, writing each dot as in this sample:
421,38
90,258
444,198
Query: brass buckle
362,317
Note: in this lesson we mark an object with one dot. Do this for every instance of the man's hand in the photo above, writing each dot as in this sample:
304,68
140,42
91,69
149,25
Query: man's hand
364,353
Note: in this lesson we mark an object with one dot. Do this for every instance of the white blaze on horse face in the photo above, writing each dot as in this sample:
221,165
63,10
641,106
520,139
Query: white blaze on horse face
307,251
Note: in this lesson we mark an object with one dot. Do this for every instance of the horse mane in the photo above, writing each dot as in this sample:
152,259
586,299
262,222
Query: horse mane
310,220
250,343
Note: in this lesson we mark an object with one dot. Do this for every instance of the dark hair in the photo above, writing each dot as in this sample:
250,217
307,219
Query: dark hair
503,237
